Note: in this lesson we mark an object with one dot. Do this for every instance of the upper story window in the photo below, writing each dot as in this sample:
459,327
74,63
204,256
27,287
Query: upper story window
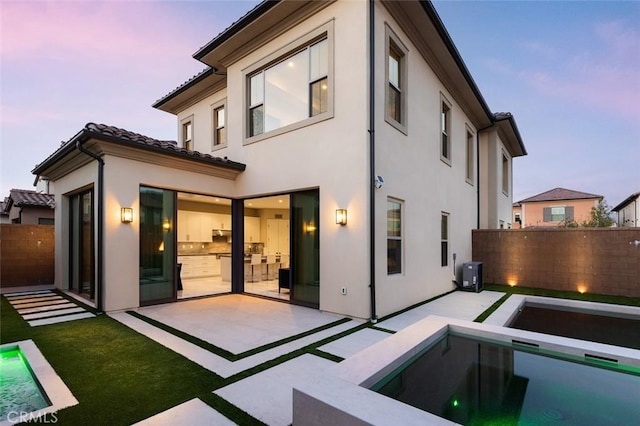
396,82
394,236
219,125
470,168
445,129
505,174
187,133
293,87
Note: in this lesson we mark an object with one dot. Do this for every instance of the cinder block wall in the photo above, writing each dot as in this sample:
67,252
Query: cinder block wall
600,260
26,255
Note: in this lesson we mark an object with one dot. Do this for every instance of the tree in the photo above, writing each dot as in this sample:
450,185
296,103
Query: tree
600,216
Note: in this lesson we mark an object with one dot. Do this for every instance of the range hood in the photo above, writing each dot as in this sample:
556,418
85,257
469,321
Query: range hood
220,234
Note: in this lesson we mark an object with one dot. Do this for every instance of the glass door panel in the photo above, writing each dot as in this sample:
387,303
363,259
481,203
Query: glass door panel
157,246
305,248
81,245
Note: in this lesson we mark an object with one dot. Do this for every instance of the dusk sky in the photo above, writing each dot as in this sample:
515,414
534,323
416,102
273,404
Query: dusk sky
569,71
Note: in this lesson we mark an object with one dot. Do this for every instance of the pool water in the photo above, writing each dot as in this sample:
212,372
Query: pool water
19,390
580,325
477,382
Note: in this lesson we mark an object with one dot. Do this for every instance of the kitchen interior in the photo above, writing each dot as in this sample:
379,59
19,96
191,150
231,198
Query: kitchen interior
204,246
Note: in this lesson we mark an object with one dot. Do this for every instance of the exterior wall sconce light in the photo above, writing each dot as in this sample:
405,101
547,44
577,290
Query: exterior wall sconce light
166,225
126,215
341,217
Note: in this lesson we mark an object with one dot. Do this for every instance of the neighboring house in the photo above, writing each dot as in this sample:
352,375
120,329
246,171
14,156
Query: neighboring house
555,207
359,196
4,216
629,211
29,207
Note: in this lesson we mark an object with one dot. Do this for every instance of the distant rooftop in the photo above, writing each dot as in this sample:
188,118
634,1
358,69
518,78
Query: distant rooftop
557,194
28,198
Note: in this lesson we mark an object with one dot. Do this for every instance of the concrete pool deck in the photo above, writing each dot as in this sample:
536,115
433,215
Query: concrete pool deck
242,322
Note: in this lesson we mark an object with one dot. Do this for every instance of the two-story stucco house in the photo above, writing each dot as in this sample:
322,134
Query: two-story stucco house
628,211
335,154
554,207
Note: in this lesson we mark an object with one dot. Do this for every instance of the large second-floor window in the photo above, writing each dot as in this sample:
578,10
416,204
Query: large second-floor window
396,81
290,90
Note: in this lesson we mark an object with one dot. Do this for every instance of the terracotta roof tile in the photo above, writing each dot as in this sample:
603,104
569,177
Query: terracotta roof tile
25,197
560,194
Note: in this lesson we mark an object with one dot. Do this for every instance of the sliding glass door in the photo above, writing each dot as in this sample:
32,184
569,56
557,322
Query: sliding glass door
81,244
157,246
305,248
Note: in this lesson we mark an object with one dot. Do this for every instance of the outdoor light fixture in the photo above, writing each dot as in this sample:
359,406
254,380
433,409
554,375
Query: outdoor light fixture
341,217
166,225
126,215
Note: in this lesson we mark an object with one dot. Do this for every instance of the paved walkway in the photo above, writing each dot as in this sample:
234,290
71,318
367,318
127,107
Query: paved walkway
245,323
45,307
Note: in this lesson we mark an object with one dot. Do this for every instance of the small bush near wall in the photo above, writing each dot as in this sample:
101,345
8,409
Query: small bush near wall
26,255
594,260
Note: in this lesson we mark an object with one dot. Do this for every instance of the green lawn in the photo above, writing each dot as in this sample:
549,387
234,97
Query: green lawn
118,376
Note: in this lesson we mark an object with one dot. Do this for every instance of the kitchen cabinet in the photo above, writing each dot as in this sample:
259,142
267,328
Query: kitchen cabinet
221,221
199,266
277,236
196,226
252,229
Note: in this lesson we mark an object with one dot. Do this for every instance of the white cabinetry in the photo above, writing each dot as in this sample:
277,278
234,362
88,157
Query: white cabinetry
277,236
197,226
252,229
199,266
221,221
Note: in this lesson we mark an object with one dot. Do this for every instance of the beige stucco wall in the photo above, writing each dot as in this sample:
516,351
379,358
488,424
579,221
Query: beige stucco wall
532,213
495,205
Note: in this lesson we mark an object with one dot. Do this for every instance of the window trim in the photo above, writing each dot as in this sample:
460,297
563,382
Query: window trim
324,31
506,177
396,238
447,130
215,145
392,39
183,123
470,167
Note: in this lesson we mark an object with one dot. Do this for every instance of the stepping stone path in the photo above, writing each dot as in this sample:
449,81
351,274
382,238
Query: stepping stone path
46,307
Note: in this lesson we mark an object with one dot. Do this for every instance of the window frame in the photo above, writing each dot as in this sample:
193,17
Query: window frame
215,143
189,145
445,119
396,238
324,31
444,238
470,168
506,173
392,41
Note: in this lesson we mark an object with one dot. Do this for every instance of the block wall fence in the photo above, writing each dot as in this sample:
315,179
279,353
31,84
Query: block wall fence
26,255
594,260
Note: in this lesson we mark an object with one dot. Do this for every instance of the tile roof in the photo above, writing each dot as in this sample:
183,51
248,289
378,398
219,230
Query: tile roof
557,194
25,197
122,136
205,72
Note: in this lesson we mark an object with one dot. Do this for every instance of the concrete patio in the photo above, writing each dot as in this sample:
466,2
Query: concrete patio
238,323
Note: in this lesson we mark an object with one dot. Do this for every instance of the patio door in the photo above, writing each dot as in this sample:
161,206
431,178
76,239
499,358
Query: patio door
305,248
157,246
81,244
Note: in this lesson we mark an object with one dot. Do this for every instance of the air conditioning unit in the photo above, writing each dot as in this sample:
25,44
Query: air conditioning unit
472,277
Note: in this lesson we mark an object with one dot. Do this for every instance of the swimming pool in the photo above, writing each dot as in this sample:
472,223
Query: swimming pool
476,381
344,393
20,391
31,389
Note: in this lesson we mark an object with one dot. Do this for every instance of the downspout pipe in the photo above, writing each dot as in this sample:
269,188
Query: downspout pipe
100,265
372,163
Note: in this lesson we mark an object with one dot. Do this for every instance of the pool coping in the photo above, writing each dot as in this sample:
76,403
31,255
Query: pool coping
55,389
510,308
342,395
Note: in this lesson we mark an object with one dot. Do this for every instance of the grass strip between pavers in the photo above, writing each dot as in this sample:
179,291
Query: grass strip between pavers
230,356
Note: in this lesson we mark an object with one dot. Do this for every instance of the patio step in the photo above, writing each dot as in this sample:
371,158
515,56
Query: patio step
46,307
